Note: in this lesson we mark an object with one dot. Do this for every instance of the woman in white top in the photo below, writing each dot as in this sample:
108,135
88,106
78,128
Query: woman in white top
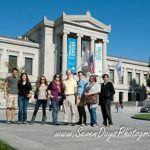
91,94
41,92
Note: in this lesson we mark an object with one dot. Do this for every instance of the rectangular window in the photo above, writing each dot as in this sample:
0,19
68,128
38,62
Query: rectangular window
129,96
111,74
145,78
28,65
120,96
138,78
0,59
12,63
129,78
137,96
121,80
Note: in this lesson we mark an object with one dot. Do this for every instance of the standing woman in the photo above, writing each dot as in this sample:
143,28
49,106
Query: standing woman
91,93
41,91
55,90
25,90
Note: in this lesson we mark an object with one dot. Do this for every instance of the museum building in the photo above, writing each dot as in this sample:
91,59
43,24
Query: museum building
75,42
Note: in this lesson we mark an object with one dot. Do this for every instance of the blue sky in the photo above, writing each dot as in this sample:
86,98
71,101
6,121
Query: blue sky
129,19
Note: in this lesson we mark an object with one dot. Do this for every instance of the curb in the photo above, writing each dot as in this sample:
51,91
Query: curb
133,117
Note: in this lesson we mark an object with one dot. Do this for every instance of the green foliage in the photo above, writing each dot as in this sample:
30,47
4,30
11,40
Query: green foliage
10,67
4,146
142,116
2,83
148,82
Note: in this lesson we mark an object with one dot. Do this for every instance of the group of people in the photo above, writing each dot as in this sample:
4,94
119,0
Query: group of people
69,93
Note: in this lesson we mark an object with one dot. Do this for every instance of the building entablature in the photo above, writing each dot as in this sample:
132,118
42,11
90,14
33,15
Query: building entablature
127,61
16,41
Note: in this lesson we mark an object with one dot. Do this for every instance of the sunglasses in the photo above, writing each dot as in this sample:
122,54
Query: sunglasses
57,76
42,79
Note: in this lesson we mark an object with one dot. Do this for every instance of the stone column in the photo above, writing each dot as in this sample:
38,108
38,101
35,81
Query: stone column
133,74
64,52
104,57
141,78
93,47
93,44
125,96
79,61
125,76
116,78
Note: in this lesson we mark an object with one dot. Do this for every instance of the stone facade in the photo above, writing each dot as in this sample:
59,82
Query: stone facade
21,49
134,89
46,44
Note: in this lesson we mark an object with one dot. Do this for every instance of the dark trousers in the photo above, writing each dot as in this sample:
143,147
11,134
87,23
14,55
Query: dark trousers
38,104
106,112
82,114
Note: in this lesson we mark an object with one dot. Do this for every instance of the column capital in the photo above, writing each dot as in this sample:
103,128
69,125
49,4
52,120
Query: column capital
93,38
65,32
79,35
105,41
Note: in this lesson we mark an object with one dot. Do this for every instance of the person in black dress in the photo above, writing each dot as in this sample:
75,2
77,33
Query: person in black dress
107,92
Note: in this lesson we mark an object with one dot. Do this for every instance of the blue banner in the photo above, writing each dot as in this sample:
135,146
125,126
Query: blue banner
71,59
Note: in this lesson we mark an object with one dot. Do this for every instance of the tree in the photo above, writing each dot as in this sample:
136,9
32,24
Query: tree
148,82
10,67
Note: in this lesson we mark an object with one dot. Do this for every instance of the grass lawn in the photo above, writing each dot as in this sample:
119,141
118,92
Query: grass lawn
4,146
142,116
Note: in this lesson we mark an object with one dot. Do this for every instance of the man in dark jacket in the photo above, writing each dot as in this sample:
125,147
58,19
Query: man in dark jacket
107,92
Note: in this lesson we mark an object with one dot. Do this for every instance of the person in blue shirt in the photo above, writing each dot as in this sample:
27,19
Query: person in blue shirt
80,99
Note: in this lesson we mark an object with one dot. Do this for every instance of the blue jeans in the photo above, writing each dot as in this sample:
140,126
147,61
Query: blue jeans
23,104
93,116
55,109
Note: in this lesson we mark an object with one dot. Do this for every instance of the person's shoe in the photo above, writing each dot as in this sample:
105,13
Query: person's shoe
56,124
94,125
25,122
78,123
8,122
32,120
43,120
65,123
19,122
13,122
110,125
103,125
73,124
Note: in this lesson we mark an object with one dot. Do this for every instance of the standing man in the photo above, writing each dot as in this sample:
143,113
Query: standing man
11,95
107,92
70,86
81,102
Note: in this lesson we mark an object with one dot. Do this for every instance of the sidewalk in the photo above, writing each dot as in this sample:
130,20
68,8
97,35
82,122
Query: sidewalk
42,137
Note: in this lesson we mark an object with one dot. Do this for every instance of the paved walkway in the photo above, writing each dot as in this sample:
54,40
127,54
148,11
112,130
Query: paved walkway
47,137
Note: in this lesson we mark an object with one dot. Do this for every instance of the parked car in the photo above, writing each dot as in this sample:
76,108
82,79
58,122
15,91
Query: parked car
145,109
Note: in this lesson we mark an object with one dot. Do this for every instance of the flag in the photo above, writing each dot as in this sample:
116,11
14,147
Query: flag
91,63
119,69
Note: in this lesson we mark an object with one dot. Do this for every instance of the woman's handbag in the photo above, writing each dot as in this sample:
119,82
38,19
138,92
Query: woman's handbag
92,99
